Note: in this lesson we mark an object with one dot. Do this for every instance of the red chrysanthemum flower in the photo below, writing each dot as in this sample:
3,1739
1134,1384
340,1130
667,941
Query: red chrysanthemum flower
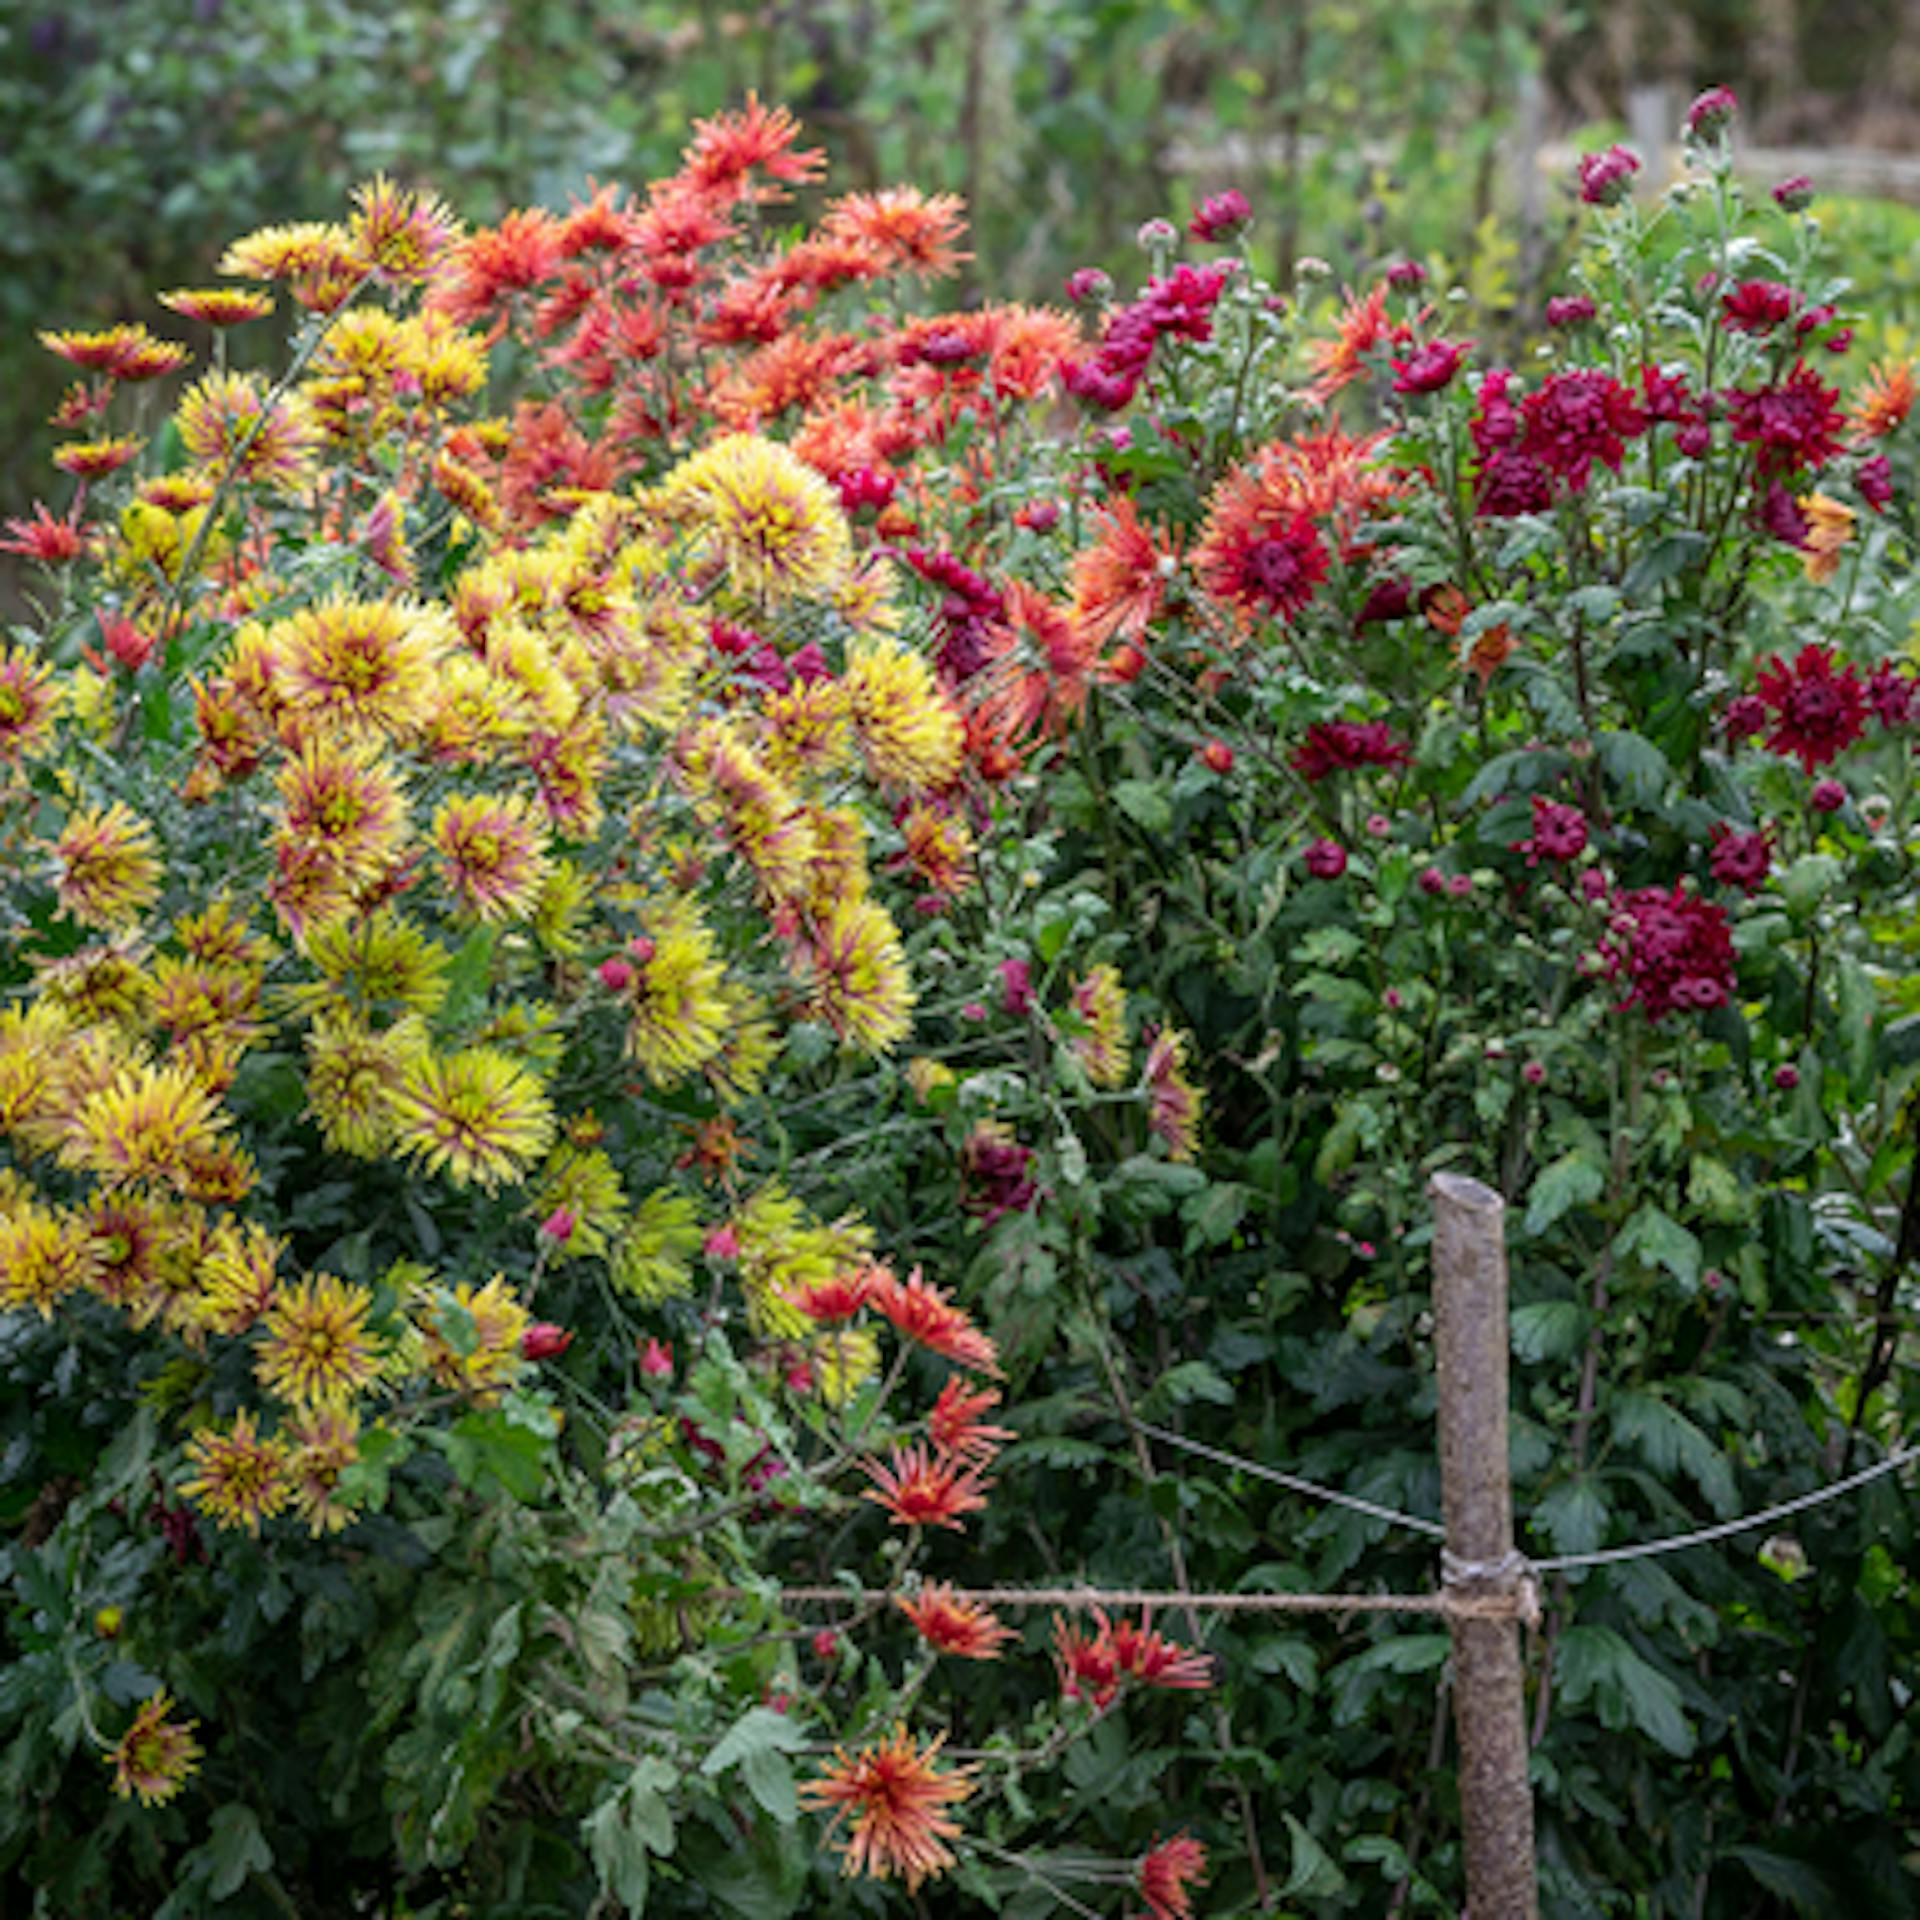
910,231
919,1310
833,1301
1675,950
1167,1872
960,1627
46,539
1259,552
1338,746
1140,1653
1085,1662
727,148
1757,306
1576,418
898,1799
1559,833
1819,705
1792,425
956,1426
523,250
920,1490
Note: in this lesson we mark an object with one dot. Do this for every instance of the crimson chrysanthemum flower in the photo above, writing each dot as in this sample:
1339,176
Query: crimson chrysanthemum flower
1576,418
1173,1101
1259,552
1794,424
925,1490
910,231
1882,401
1143,1654
1167,1872
1673,948
43,538
155,1755
1339,746
1741,859
1757,306
1559,833
918,1309
1818,703
830,1302
956,1426
897,1799
1085,1661
961,1627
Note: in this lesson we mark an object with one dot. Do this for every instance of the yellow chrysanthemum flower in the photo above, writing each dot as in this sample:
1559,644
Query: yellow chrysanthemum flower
679,999
1101,1047
844,1359
770,519
238,1274
150,1124
156,540
240,1479
476,713
405,233
133,1234
739,1069
44,1256
812,732
228,422
353,1075
30,702
288,252
111,985
493,853
218,935
908,729
30,1039
342,811
317,1352
472,1337
653,1259
381,959
109,866
782,1252
157,1754
764,818
322,1446
360,666
858,977
583,1183
560,911
477,1116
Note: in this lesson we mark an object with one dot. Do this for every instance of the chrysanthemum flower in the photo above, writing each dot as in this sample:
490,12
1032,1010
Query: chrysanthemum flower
238,1273
149,1124
115,349
403,233
228,423
1259,552
586,1184
961,1627
897,1798
317,1352
30,702
955,1422
1120,582
907,727
316,259
493,853
843,1360
679,999
1675,950
342,809
1829,528
109,866
359,666
477,1115
517,255
353,1073
653,1258
726,149
782,1254
922,1490
1882,401
911,232
1793,424
920,1311
1140,1653
1085,1662
1167,1874
52,542
771,520
156,1755
857,976
1173,1101
1818,703
381,958
322,1446
132,1233
95,459
239,1479
219,306
1101,1047
44,1256
473,1337
1362,328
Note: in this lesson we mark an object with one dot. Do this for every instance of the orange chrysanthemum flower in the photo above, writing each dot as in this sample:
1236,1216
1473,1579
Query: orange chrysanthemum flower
960,1627
956,1426
1330,476
919,1310
517,255
911,231
1362,328
1884,399
1093,1665
830,1302
1037,666
52,542
897,1798
219,306
919,1490
1260,553
1120,582
727,148
1167,1872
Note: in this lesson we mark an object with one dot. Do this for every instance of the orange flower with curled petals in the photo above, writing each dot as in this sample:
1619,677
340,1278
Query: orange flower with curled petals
920,1490
1362,328
727,148
1167,1872
963,1628
956,1426
828,1303
897,1799
911,231
926,1316
1140,1653
1884,399
1038,664
1120,582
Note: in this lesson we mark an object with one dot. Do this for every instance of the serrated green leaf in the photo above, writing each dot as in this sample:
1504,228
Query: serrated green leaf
758,1730
1656,1240
1548,1330
1576,1179
1146,803
769,1779
235,1848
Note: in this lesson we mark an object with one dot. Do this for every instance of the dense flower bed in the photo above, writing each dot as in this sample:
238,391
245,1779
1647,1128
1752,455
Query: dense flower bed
679,926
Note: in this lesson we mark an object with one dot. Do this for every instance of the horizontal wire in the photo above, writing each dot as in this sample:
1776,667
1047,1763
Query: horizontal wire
1498,1606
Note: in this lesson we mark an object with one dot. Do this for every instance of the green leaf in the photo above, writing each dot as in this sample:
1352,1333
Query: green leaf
769,1779
1665,559
1573,1516
235,1848
1598,1664
1189,1380
1655,1240
1808,882
1670,1443
1803,1888
1576,1179
487,1447
1290,1655
1636,767
1548,1330
758,1730
1213,1215
1146,803
1312,1874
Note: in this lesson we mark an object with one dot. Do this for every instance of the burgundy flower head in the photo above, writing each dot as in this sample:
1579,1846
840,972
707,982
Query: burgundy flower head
1337,746
1757,306
1326,859
1607,178
1431,368
1578,417
1672,949
1711,114
1570,310
1817,703
1794,195
1559,833
1795,424
1741,859
1220,215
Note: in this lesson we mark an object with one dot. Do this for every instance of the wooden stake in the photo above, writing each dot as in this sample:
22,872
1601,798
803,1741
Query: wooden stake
1470,1339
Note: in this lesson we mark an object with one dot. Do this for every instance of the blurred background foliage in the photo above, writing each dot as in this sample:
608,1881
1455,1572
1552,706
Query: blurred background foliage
135,139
